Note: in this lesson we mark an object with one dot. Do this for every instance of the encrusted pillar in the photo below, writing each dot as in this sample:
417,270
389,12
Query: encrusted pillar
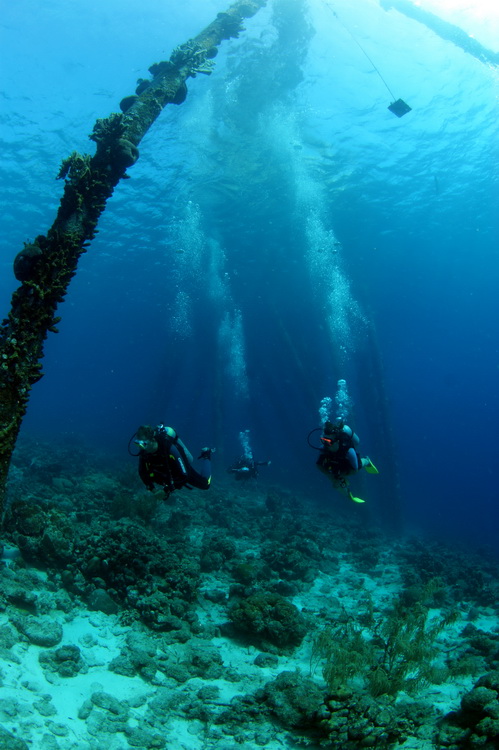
45,266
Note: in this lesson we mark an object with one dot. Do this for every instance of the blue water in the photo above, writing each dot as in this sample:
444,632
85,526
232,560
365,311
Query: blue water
281,230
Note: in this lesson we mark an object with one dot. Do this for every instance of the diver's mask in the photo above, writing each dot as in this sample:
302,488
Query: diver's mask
148,446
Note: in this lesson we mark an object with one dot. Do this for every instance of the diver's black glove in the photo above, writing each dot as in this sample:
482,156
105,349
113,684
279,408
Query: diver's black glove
206,452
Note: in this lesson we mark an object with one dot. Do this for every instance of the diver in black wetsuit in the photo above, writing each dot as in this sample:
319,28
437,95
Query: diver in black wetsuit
246,468
339,457
165,460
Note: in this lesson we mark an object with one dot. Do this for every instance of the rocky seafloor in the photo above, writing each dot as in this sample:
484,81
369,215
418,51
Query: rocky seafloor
241,617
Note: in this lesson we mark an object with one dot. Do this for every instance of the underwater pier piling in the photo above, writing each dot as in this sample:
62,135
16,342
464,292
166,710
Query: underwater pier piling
445,30
46,265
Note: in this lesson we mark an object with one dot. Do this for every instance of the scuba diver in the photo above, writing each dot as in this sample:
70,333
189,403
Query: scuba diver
165,460
339,457
246,468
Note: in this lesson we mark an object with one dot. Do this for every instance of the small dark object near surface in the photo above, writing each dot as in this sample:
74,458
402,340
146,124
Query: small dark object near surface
399,108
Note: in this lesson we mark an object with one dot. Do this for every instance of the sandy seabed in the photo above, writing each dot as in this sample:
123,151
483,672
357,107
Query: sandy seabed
77,677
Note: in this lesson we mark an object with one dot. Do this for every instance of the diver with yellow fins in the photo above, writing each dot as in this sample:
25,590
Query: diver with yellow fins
339,457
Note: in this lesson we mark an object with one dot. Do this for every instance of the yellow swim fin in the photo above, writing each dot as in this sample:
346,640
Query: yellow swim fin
370,468
355,499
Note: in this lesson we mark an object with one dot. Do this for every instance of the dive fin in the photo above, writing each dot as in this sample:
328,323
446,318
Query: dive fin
370,468
355,499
